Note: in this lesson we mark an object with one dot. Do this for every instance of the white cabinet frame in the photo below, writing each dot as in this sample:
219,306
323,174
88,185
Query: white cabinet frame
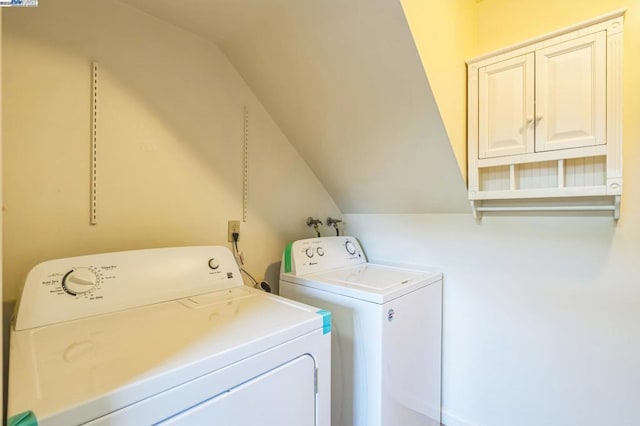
504,167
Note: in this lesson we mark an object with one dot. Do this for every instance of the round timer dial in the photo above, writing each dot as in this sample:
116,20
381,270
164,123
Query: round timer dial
79,281
350,247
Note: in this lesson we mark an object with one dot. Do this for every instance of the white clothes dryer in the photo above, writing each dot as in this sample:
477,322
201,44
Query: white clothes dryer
386,331
164,336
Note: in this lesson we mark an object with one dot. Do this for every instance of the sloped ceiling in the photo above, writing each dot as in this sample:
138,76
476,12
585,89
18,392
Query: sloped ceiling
343,80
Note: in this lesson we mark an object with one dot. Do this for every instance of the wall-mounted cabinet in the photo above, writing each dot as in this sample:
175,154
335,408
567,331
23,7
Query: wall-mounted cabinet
545,121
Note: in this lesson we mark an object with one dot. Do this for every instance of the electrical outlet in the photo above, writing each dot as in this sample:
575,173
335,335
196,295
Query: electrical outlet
233,227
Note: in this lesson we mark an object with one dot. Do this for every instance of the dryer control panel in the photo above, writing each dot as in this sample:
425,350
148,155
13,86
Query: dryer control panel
315,255
77,287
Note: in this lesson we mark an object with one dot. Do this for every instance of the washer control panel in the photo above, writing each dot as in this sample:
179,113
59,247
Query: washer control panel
321,254
77,287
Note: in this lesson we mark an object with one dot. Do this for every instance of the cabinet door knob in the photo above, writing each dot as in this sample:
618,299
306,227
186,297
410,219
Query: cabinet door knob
538,117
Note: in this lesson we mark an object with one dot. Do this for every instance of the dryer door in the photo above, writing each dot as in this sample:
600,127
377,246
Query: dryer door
284,396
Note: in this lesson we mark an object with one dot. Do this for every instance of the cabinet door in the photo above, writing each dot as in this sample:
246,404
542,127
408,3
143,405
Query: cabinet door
505,107
570,93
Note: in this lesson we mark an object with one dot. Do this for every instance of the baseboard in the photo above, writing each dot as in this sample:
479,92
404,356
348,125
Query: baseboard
450,419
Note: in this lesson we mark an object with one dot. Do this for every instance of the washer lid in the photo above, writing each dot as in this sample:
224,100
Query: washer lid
76,371
370,282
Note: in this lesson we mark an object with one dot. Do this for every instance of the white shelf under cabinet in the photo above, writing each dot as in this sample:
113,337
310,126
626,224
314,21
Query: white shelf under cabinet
545,122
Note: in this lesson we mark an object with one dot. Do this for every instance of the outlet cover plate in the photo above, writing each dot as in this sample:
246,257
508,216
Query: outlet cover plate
233,226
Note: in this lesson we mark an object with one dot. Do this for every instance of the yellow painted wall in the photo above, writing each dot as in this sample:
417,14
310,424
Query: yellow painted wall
445,35
505,22
170,138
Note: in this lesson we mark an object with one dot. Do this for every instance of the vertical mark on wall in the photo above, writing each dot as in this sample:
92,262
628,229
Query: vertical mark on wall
245,171
94,142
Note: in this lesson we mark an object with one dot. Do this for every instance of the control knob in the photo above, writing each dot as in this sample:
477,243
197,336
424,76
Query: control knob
79,280
309,252
350,247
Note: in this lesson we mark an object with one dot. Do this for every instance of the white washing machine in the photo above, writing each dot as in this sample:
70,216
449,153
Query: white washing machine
164,336
386,331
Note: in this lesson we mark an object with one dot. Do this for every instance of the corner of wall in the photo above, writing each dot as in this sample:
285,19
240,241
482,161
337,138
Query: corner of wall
454,25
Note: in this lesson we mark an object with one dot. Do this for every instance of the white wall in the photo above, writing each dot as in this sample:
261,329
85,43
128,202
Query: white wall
170,142
344,81
541,314
349,90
